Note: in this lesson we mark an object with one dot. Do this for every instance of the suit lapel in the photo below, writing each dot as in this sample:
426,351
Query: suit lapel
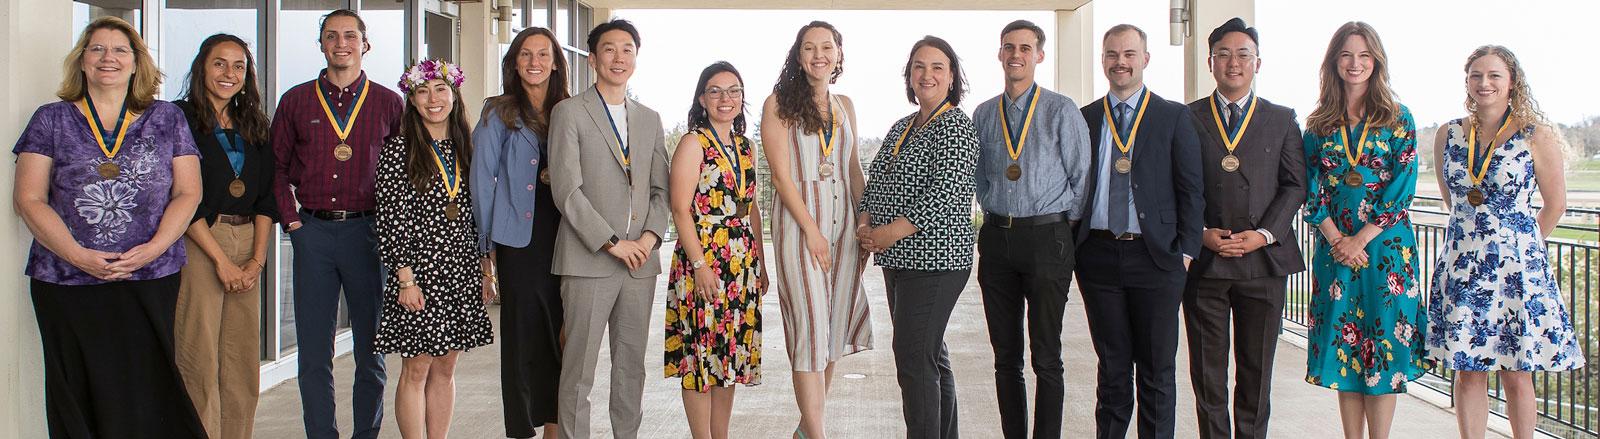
597,112
639,147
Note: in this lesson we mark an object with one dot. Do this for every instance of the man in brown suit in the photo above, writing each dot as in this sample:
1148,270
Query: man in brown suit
1254,186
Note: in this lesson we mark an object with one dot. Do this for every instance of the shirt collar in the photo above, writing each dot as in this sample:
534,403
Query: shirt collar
1133,101
329,87
1021,102
1222,101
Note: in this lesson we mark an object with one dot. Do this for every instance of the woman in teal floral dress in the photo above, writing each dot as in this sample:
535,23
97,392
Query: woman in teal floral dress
1367,319
713,317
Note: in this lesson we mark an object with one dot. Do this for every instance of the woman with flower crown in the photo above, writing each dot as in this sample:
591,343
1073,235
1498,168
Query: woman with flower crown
434,299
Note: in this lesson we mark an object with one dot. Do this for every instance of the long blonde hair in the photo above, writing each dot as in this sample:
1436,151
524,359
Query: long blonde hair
146,81
1524,109
1379,101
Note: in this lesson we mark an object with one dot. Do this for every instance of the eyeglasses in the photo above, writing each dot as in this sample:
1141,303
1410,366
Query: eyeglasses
1226,57
719,93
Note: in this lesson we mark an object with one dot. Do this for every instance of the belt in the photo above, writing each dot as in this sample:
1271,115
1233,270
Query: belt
1006,222
235,220
1106,234
338,215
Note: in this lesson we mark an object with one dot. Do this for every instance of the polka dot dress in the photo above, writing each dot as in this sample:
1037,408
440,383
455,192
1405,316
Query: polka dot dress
413,231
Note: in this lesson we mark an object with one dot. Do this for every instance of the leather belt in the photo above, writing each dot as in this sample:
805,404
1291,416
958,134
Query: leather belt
1106,234
338,215
235,220
1006,222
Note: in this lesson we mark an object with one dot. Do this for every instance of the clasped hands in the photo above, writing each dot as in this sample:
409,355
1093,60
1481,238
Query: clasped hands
1229,244
634,252
1350,251
111,266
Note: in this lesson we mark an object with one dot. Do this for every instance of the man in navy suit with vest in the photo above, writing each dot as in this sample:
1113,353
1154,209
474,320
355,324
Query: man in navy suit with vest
1143,229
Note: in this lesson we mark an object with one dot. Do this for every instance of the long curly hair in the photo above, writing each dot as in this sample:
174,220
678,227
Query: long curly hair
1524,109
794,92
1379,101
512,104
244,108
420,168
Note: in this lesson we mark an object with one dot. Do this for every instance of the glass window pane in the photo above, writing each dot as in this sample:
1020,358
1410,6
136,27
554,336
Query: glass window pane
584,24
539,13
386,30
186,23
85,11
563,28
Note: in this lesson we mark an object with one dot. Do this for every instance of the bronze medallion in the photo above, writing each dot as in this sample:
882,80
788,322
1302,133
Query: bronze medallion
1476,197
1230,163
236,188
1124,165
343,152
451,211
109,170
1353,179
544,176
825,170
1014,172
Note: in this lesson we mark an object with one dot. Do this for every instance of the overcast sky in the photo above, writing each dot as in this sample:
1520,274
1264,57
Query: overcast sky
1427,43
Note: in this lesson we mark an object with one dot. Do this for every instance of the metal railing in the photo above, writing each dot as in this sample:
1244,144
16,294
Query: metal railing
1568,402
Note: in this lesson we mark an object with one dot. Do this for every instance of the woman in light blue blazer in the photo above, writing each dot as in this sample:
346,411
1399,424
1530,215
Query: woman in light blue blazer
517,221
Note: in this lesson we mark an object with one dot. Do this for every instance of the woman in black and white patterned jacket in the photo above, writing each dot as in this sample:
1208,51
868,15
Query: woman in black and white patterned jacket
916,217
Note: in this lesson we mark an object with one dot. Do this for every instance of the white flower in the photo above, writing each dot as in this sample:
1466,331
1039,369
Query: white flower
106,203
1397,380
1373,380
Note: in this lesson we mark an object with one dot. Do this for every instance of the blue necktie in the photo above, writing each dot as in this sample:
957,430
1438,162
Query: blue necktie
1234,116
1117,202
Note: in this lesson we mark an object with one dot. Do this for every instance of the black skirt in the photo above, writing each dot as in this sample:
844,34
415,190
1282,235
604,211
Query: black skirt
530,324
109,368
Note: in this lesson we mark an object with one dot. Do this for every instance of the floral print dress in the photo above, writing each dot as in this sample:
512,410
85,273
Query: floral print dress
717,342
1367,324
1495,304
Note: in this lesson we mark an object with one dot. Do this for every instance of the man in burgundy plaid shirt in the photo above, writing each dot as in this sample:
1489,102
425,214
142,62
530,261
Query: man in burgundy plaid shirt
326,134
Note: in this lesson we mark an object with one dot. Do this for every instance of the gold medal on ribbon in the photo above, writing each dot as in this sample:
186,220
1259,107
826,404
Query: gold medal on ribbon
1478,167
236,188
1124,164
452,181
1353,177
1230,162
1014,148
343,151
906,134
110,169
828,139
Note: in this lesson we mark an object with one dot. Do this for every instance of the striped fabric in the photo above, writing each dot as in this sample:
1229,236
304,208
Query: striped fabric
824,312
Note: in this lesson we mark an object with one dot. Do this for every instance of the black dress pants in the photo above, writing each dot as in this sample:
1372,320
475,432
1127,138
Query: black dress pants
1025,273
1132,308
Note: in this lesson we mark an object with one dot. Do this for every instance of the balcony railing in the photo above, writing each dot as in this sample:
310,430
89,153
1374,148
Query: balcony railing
1568,402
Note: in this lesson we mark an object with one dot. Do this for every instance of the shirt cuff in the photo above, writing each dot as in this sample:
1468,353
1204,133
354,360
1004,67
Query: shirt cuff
1270,239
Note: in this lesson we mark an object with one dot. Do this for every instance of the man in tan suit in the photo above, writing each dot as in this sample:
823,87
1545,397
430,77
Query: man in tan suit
608,175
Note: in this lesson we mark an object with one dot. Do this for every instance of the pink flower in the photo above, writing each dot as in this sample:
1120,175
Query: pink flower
1350,333
1396,284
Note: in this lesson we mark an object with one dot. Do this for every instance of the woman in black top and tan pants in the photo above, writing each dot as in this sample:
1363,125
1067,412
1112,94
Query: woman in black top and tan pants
217,330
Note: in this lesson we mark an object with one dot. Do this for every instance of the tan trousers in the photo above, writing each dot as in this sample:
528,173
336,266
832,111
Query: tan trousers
218,337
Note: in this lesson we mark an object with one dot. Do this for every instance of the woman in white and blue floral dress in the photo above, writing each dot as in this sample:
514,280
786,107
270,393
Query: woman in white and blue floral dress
1495,305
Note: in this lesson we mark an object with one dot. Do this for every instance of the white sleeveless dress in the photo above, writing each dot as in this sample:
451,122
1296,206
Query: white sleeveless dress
824,312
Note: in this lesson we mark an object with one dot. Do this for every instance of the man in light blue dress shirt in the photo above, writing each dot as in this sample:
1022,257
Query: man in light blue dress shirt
1032,165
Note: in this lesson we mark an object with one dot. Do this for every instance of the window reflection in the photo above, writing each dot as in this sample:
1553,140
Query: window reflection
186,23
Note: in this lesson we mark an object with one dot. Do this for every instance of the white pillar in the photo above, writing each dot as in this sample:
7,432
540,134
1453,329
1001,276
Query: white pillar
480,50
1075,57
1205,16
34,36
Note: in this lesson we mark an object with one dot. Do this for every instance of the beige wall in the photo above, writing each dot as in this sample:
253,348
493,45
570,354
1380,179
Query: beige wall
1075,55
1207,15
34,35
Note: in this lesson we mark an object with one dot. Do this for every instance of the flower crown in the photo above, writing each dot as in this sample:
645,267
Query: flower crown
431,69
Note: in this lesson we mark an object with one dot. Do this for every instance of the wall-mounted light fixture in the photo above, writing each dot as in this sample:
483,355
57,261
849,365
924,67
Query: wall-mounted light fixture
502,21
1180,18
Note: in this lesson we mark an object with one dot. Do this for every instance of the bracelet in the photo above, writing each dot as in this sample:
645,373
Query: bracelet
406,283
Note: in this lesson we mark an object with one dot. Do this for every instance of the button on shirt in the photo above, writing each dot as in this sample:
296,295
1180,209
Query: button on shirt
303,141
1108,155
1054,159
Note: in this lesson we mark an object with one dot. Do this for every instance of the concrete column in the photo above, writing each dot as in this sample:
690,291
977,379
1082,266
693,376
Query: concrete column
34,36
1205,16
599,15
1075,54
480,50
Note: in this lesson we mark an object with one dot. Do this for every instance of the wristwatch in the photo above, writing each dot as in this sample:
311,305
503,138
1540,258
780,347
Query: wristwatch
610,242
698,264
